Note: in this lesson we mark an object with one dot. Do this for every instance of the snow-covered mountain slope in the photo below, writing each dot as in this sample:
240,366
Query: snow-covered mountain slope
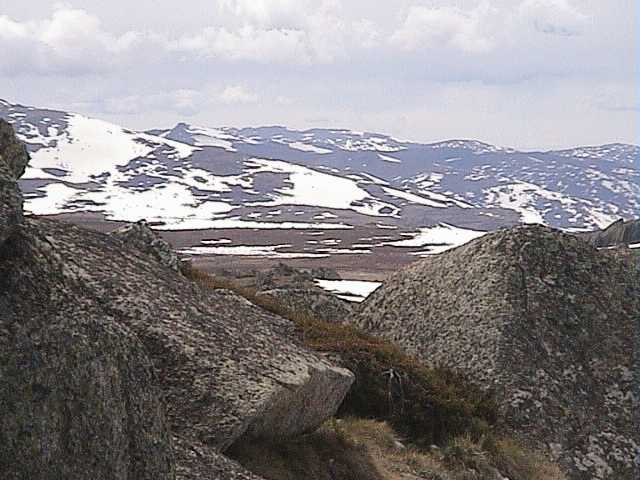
191,177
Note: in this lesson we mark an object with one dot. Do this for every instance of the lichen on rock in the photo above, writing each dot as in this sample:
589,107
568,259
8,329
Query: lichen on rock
544,320
13,161
115,366
312,302
141,236
224,368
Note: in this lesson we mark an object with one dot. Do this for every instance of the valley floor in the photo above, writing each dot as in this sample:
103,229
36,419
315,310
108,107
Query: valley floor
342,250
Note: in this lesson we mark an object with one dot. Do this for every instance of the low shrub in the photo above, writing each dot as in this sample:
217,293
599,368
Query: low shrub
491,454
327,453
428,405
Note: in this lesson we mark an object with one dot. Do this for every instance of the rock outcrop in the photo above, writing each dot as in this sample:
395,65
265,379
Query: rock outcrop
543,319
13,161
296,289
225,368
141,236
115,366
620,232
283,275
313,302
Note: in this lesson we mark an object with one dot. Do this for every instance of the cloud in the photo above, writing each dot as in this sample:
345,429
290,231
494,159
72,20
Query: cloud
557,17
298,32
186,101
269,14
235,94
182,101
246,43
486,27
441,27
71,41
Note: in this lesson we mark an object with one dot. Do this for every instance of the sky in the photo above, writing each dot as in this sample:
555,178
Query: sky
529,74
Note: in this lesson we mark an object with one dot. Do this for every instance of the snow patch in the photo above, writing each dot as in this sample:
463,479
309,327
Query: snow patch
352,290
304,147
439,238
271,251
387,158
312,188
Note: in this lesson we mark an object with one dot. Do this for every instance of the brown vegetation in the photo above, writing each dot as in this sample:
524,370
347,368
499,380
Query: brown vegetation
351,448
425,404
396,413
328,453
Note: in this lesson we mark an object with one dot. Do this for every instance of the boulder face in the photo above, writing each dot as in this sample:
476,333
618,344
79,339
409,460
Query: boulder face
314,302
296,289
141,236
95,338
544,320
620,232
13,161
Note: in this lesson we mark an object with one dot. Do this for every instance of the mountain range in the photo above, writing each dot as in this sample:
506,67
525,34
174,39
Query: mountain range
190,177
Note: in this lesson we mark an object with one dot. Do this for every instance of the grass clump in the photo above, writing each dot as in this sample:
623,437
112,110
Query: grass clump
392,418
466,459
327,453
428,405
425,404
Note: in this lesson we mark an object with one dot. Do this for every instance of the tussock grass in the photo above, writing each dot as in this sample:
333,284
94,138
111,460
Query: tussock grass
463,455
462,458
425,404
394,400
328,453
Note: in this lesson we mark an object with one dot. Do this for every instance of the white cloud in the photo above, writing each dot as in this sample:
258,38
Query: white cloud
284,100
557,17
485,27
281,31
437,27
269,14
237,94
182,101
246,43
365,33
70,41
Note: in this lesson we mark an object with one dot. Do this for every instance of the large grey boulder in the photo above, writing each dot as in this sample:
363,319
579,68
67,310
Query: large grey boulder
620,232
313,302
141,236
78,397
198,461
543,319
13,161
225,369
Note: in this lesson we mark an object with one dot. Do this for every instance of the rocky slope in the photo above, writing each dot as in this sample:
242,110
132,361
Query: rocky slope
13,161
618,233
546,321
295,289
114,366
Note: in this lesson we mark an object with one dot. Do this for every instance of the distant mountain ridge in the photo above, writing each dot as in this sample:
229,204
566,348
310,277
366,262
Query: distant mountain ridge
190,177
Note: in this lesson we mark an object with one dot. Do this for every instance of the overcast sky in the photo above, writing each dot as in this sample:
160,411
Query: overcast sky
522,73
